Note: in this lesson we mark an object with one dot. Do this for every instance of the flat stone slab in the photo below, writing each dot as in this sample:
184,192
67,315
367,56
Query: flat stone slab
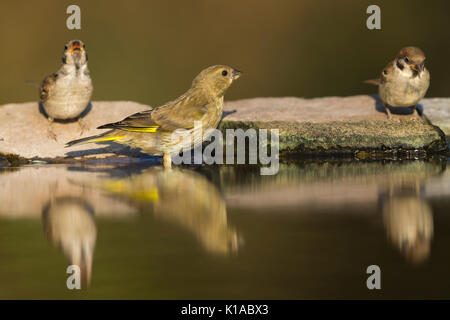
336,123
331,124
23,130
437,110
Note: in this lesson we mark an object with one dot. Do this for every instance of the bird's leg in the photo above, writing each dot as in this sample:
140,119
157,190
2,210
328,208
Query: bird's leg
389,115
82,125
50,132
388,112
416,114
167,161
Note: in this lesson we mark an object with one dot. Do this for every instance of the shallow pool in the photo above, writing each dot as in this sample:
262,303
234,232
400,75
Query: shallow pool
137,231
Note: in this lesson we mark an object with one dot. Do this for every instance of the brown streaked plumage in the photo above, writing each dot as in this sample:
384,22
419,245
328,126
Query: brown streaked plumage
404,81
152,130
66,94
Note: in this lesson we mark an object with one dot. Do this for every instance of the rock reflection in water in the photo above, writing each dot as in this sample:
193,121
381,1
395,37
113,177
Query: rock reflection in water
69,224
66,198
182,197
400,190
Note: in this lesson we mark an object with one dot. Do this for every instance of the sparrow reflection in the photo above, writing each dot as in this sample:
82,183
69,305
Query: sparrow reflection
409,224
69,224
185,198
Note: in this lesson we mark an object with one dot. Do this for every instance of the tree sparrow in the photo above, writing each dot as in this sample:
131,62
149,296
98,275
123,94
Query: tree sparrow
404,81
66,93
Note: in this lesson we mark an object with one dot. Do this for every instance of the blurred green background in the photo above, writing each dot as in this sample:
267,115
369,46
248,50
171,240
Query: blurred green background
149,51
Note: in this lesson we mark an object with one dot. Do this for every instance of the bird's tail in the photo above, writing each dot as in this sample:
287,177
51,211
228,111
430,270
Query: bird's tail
33,83
373,81
98,138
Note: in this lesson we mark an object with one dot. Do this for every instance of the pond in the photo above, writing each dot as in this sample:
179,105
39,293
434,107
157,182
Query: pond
138,231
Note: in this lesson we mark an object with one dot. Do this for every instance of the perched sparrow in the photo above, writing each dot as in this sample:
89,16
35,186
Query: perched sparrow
151,130
66,93
404,81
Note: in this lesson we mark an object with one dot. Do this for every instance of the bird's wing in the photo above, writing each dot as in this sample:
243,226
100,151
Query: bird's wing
183,112
384,75
178,114
46,86
138,122
387,72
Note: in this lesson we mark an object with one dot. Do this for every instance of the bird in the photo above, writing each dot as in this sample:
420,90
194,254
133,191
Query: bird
69,224
168,193
404,81
64,95
409,224
151,130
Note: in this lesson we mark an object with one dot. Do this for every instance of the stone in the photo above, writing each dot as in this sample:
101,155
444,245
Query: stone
355,125
437,110
23,131
335,124
3,162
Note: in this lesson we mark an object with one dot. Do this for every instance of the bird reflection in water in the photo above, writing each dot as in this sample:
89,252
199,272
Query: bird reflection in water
182,197
69,224
408,220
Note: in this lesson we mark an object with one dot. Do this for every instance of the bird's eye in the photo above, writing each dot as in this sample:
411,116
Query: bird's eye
65,48
385,71
406,59
224,73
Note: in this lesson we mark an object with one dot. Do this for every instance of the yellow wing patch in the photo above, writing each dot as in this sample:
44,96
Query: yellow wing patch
108,139
149,129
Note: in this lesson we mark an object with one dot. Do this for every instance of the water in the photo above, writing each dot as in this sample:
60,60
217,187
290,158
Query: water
311,231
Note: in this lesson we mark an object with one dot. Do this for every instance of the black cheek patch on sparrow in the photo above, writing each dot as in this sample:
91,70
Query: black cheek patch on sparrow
400,66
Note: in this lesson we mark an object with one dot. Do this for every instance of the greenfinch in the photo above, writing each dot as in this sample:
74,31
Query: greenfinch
152,130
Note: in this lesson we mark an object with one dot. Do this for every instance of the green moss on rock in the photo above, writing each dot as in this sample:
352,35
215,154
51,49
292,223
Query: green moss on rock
350,136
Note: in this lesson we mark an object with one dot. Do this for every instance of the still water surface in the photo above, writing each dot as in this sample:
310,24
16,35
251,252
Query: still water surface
139,232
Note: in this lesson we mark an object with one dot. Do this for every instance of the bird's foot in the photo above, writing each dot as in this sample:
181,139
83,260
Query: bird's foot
416,116
50,133
82,125
391,118
389,114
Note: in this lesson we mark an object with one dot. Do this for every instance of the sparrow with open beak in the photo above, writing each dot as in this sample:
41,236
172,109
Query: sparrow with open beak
152,131
404,81
66,94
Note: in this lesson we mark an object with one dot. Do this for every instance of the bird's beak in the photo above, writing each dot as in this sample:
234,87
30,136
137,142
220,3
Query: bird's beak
76,47
417,67
236,74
